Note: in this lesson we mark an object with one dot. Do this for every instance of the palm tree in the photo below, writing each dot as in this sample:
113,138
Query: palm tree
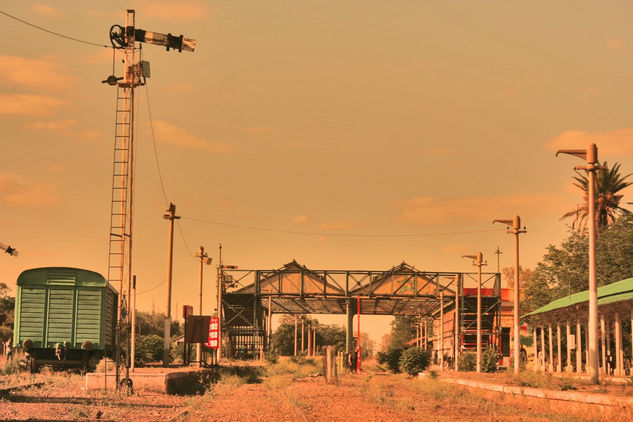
608,183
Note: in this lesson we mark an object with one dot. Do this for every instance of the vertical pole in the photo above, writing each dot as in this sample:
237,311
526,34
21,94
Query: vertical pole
618,346
171,216
592,363
133,335
349,334
543,348
295,338
569,367
551,348
535,344
441,330
587,367
578,347
309,340
358,344
199,349
479,263
515,320
602,344
270,322
220,313
457,322
314,345
608,339
632,336
302,335
559,355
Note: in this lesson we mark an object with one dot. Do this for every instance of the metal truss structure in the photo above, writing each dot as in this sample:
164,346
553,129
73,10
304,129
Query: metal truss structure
249,295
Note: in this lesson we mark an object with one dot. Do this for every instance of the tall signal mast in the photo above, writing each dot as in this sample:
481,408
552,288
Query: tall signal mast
134,74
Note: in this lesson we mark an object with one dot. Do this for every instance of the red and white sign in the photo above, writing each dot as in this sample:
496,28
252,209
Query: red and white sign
214,329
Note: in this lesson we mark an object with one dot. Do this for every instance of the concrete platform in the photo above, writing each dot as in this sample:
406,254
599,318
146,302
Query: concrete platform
162,380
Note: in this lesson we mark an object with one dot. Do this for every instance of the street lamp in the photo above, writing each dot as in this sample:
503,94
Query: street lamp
590,155
478,260
516,230
204,259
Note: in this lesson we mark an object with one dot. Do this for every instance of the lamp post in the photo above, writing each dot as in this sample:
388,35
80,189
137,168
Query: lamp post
204,259
590,155
478,260
516,230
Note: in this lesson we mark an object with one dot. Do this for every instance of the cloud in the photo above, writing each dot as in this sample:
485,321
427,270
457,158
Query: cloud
178,88
15,193
334,226
34,74
299,219
44,9
617,142
174,10
175,135
30,105
53,126
615,44
470,209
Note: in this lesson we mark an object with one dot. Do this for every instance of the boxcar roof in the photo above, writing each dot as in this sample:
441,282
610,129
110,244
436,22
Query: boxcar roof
62,276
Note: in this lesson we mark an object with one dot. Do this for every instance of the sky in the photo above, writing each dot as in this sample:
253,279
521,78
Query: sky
332,119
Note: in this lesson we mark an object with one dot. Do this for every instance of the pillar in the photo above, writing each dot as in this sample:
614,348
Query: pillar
543,348
295,336
559,368
302,336
569,367
578,347
309,341
619,361
349,333
551,348
603,347
441,331
587,348
535,344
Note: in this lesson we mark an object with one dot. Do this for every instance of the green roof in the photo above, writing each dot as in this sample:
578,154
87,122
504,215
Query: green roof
615,292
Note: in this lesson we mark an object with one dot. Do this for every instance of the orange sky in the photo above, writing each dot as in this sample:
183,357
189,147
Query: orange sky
326,118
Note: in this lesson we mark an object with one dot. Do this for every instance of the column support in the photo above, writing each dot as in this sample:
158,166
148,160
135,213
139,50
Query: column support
559,355
603,368
551,348
619,361
569,367
578,347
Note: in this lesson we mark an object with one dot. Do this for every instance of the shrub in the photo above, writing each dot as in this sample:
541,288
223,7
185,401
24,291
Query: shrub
468,361
148,349
489,360
414,360
392,358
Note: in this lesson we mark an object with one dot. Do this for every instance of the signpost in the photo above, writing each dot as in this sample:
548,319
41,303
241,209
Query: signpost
214,329
186,311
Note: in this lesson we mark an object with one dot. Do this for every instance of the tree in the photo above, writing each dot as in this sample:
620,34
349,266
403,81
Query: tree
326,335
7,307
564,269
608,183
414,360
403,330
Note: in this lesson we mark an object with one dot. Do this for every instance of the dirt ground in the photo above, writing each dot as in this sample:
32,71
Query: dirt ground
284,393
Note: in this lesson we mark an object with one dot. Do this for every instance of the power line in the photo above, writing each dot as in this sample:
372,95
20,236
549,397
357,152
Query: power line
53,32
151,125
152,288
304,233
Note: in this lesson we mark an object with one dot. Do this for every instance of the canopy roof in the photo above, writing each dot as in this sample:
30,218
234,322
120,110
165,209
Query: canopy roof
615,292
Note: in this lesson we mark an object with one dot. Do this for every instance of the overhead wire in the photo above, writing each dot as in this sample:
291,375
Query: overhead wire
366,235
53,32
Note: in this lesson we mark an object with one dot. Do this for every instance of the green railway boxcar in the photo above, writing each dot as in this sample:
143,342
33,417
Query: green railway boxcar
64,316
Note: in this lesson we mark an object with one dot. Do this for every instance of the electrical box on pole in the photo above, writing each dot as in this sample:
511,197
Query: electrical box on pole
135,73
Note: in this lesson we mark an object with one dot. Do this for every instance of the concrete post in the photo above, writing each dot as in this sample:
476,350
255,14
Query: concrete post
535,344
578,347
569,367
543,348
441,331
559,368
302,336
309,341
587,349
456,320
349,333
603,368
295,339
619,361
551,348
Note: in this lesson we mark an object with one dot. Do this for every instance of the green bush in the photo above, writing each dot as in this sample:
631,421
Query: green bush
148,349
489,360
468,362
392,358
414,360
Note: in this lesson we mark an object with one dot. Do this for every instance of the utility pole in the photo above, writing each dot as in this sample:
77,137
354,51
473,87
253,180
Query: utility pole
204,259
171,216
220,288
478,260
515,230
590,155
133,334
498,253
